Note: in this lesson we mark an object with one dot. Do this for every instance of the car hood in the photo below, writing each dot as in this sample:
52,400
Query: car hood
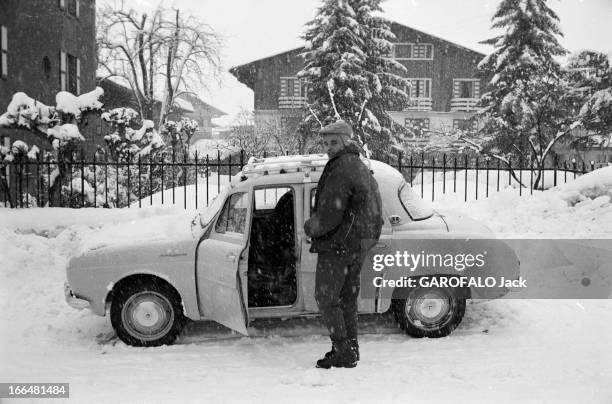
141,253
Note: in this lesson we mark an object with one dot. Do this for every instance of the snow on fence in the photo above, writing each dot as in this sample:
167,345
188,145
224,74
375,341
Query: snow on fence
192,182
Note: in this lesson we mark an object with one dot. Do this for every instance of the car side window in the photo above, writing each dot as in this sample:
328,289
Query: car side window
233,216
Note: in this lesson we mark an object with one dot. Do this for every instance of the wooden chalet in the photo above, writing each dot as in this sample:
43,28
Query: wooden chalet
445,84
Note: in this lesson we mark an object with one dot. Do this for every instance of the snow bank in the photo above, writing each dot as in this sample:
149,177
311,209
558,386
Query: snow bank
580,208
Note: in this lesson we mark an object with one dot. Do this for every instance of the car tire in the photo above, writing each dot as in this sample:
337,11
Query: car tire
147,313
429,312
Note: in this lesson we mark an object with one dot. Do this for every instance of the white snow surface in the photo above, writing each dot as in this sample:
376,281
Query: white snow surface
533,351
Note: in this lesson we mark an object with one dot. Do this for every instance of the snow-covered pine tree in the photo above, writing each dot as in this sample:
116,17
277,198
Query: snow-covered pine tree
522,108
590,95
347,59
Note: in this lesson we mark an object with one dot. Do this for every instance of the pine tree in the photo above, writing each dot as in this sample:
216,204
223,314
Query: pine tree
522,106
350,74
590,95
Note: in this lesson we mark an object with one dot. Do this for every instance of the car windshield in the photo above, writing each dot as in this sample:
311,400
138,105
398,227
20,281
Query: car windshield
208,213
416,207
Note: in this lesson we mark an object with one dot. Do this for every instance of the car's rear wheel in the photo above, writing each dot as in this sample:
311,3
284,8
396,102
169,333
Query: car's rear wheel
429,312
147,313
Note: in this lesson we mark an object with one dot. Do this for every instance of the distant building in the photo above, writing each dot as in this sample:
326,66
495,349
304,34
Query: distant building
117,95
46,47
203,114
444,83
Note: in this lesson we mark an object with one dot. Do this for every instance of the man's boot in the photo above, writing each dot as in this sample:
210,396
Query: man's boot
354,346
342,356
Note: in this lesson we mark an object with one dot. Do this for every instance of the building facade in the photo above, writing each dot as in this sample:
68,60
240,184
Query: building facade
46,47
445,85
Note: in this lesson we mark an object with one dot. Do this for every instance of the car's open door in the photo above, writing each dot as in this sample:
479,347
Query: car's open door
222,264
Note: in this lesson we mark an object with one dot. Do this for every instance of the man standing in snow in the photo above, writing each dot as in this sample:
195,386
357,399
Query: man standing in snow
347,211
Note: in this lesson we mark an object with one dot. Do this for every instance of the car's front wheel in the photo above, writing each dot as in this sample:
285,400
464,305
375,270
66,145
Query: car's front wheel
429,312
147,313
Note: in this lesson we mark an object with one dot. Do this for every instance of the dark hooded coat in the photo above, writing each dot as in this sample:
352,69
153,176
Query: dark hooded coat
348,206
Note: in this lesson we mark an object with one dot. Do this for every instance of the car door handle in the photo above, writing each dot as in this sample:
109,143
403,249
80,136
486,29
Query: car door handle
380,245
231,257
307,240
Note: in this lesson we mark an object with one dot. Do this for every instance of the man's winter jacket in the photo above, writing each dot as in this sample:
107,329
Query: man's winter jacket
348,207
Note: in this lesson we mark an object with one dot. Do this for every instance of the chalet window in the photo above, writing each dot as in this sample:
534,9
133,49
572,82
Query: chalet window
466,125
419,88
292,87
466,88
403,51
3,52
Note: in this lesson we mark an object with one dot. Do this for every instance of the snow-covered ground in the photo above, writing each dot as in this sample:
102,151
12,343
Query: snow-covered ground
534,351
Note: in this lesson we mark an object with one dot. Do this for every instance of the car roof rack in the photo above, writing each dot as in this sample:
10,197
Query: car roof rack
284,164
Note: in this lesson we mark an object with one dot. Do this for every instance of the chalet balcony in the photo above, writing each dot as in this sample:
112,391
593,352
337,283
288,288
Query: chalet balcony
288,102
420,104
463,104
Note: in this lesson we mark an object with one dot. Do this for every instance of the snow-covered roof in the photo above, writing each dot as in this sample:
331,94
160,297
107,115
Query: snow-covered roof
184,105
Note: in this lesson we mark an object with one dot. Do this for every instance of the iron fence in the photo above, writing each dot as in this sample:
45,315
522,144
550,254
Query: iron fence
191,182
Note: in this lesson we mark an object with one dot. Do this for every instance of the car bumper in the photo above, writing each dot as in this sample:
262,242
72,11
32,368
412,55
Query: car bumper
74,301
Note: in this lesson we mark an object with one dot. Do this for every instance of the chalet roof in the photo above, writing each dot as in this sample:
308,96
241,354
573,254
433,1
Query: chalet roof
237,69
197,102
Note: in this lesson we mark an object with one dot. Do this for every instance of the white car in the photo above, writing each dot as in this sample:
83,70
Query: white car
250,259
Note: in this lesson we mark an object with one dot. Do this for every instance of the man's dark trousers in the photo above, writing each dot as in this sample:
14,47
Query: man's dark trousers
336,292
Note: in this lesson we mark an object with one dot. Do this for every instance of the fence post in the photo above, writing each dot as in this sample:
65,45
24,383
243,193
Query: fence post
162,164
477,178
422,174
229,166
433,177
531,176
19,187
487,159
195,160
173,173
150,180
95,183
49,180
128,178
207,167
466,175
592,165
498,167
411,167
455,176
106,181
219,170
509,171
38,179
444,173
117,185
574,167
139,181
185,168
82,179
583,168
564,171
27,176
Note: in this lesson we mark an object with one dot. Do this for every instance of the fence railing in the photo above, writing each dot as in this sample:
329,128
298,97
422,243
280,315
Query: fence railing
192,182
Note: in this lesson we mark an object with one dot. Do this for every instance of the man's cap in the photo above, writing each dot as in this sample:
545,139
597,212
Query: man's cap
337,128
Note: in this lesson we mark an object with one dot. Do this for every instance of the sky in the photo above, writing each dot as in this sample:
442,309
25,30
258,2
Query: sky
254,29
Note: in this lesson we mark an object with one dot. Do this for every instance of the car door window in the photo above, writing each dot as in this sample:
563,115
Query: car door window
233,217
